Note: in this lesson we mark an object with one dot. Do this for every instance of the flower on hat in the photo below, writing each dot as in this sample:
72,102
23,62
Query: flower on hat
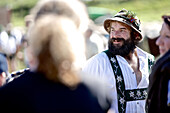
132,20
130,16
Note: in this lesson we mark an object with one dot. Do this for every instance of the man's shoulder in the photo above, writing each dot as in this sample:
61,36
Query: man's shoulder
98,57
145,54
96,62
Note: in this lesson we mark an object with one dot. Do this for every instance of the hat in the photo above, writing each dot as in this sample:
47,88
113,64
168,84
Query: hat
127,17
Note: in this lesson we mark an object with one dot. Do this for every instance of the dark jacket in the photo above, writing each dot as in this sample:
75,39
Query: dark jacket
158,86
33,93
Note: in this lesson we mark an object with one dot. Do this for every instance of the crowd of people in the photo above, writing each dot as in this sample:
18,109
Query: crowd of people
68,72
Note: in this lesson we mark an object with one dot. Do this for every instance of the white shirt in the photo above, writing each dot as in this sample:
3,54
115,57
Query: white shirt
100,66
3,41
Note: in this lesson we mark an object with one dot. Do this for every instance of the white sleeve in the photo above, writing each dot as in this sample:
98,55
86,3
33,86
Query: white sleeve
4,41
11,46
93,66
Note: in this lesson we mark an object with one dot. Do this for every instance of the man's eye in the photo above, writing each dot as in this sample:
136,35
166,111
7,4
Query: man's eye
122,30
112,30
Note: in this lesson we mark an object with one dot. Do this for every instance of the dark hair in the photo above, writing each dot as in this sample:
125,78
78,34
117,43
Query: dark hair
166,20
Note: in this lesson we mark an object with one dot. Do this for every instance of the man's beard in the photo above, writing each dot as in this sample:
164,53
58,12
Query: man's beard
127,47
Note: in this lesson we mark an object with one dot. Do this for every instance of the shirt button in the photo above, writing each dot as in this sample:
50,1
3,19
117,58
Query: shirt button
137,102
133,72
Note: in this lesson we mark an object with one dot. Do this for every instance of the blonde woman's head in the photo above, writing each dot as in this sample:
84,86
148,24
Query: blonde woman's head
73,9
58,47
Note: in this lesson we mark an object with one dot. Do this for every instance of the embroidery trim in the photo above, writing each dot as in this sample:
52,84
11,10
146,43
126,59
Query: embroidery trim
124,95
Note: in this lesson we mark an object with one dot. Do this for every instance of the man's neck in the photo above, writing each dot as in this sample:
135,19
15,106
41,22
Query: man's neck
133,61
131,57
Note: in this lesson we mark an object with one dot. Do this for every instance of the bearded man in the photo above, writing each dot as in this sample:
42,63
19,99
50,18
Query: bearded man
124,66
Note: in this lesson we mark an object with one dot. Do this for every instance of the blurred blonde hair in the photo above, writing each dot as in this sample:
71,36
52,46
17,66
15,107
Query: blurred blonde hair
73,9
58,46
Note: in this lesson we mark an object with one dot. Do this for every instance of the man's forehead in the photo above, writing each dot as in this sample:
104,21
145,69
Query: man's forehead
120,24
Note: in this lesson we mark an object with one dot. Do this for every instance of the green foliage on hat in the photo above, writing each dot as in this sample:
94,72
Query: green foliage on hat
129,16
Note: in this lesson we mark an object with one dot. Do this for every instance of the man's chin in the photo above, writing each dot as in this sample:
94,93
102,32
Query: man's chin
118,46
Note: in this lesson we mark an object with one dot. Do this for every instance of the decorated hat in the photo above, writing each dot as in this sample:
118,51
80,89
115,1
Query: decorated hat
127,17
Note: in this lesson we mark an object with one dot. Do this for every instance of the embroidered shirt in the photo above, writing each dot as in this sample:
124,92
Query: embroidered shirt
100,66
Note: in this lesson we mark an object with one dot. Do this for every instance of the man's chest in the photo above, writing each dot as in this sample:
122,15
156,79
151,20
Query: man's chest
129,76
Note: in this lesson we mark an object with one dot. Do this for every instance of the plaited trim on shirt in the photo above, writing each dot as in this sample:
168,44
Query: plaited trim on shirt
136,94
124,95
120,86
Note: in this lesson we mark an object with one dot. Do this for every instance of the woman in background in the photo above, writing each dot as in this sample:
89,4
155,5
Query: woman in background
53,84
159,82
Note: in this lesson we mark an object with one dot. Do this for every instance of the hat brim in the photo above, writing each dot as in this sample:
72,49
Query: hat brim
107,25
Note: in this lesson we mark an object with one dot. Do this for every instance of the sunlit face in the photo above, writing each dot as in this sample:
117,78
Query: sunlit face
164,40
120,42
119,30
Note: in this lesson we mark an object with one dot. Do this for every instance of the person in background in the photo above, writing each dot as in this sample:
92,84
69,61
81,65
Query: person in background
91,47
124,66
3,69
54,82
2,77
95,41
158,100
54,85
23,46
14,36
73,9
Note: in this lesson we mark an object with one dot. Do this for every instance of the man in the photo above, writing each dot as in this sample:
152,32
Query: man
124,66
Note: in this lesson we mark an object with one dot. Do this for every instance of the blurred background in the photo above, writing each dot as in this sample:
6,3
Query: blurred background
14,12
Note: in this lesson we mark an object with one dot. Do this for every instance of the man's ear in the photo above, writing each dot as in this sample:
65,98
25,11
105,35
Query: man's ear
136,35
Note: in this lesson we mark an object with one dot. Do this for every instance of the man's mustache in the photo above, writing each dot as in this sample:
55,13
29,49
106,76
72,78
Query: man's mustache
117,39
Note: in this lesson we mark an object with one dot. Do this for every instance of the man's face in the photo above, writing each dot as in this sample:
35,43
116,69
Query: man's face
120,42
119,32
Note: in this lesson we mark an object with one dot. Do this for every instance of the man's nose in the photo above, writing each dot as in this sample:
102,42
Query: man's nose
115,34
